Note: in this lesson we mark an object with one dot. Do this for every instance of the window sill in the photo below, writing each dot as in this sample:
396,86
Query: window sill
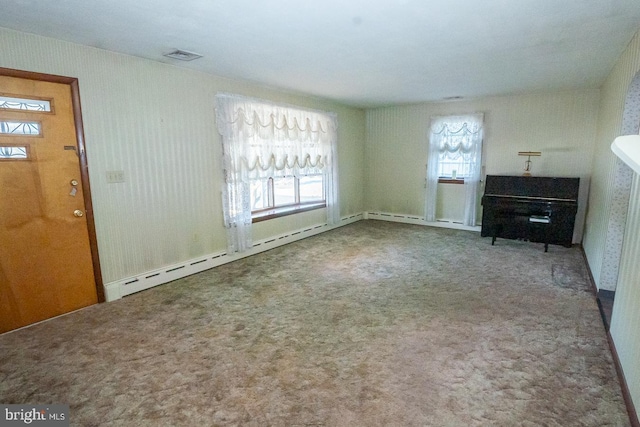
450,181
284,211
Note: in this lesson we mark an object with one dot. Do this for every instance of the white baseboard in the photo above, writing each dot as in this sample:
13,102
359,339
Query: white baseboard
412,219
120,288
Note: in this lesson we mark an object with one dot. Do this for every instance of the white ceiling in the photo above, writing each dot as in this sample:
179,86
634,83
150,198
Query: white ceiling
359,52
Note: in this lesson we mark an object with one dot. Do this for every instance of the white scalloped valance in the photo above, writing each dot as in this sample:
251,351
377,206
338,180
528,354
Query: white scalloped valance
284,163
276,139
267,120
456,136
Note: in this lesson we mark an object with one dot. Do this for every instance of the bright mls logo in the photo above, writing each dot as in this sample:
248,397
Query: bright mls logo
34,415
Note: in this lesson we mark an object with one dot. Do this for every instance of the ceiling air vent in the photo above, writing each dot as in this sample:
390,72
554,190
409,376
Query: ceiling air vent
183,55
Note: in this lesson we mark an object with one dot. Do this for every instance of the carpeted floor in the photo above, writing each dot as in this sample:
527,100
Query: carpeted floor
371,324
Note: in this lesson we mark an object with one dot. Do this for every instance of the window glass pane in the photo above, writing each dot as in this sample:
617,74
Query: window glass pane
450,168
20,128
259,194
284,191
311,188
24,104
13,153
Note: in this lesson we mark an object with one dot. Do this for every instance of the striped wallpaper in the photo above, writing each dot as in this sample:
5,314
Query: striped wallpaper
155,122
560,124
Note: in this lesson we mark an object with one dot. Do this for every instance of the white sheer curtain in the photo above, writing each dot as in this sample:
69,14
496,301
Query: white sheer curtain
260,140
455,138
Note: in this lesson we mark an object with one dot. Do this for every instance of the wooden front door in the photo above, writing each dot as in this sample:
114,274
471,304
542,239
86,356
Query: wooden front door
46,256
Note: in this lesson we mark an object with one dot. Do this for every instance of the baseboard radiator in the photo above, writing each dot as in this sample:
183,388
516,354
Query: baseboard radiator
118,289
413,219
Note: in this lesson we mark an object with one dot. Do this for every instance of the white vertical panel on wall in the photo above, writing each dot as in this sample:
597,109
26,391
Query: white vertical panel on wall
613,94
625,322
626,311
156,123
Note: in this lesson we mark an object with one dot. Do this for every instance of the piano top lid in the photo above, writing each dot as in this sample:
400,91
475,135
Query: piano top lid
533,187
628,149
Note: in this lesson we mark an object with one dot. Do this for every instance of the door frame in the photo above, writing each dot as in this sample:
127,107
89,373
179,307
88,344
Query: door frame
72,82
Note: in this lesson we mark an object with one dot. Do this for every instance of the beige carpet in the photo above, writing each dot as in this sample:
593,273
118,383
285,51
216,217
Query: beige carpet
372,324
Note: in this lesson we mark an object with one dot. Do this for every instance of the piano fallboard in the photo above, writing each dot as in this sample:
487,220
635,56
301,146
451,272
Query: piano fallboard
509,203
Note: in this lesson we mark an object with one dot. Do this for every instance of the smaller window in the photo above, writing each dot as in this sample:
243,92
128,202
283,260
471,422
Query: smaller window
453,166
453,170
457,141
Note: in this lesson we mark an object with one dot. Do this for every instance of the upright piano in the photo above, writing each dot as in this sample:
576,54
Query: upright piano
537,209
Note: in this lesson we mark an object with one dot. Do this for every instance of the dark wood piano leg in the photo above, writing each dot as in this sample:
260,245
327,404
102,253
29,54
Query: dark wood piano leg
497,229
546,235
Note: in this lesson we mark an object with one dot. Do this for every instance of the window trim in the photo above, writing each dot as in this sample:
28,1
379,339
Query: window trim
280,211
449,180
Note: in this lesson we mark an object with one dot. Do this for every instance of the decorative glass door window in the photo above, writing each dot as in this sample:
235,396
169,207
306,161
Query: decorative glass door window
19,128
14,153
25,104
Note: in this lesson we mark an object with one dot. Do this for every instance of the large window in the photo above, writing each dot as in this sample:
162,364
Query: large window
277,160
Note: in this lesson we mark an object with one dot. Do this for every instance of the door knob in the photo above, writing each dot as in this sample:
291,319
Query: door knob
78,213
